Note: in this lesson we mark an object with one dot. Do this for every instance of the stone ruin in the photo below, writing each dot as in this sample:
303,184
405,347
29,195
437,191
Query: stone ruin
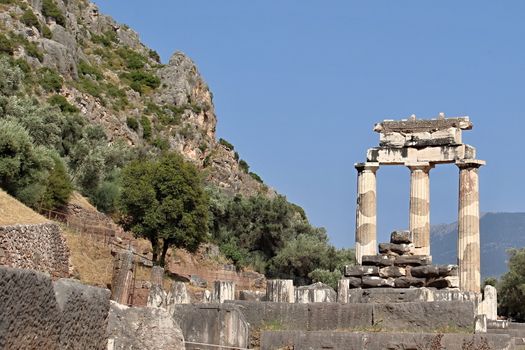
420,145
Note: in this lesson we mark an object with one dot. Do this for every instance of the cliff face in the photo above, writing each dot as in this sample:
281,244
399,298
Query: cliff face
120,84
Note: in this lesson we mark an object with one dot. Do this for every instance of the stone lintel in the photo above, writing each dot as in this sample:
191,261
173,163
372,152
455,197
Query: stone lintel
470,163
423,125
370,166
440,154
425,166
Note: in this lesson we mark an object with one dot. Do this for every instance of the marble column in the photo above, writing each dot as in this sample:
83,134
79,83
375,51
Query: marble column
122,280
468,226
366,220
419,218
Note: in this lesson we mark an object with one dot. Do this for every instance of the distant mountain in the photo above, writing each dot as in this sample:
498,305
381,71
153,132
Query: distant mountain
499,232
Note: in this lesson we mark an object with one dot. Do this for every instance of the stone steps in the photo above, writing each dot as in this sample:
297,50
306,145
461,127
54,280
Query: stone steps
517,333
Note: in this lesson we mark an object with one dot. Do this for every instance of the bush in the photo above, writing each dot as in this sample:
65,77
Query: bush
58,187
33,50
46,32
10,77
244,166
141,79
256,177
62,103
154,55
132,59
330,278
146,127
51,10
106,197
132,123
50,80
91,87
6,45
226,144
106,39
511,291
161,143
29,19
85,69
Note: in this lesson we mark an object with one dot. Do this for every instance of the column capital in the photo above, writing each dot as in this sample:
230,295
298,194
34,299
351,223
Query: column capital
424,166
368,166
470,163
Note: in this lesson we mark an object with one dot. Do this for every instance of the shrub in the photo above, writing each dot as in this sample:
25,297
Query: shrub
330,278
226,144
106,196
50,80
33,50
85,69
6,45
51,10
23,65
29,19
62,103
132,59
105,39
161,143
141,79
46,32
10,77
154,55
58,187
146,127
256,177
132,123
244,166
91,87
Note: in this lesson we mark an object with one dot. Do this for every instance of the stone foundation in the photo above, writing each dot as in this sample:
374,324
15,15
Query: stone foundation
36,313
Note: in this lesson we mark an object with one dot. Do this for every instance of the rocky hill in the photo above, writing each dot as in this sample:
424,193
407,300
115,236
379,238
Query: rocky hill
499,232
102,69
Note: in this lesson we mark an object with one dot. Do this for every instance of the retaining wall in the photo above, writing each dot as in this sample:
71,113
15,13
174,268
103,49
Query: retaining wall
39,247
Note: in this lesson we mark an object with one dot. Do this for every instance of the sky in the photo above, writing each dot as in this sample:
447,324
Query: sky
299,84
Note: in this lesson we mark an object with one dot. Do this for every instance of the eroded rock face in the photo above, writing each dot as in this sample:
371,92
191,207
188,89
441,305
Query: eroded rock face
142,328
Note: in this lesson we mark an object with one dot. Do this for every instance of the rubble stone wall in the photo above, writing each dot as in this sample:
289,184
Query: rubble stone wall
37,313
38,247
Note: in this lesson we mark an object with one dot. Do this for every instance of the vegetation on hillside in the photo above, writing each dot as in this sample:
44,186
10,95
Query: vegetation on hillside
48,149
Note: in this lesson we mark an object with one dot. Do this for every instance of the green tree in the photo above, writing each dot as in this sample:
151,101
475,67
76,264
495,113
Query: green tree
164,201
512,287
58,186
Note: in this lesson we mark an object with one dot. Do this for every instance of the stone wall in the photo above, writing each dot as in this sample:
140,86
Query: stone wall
379,341
38,247
36,313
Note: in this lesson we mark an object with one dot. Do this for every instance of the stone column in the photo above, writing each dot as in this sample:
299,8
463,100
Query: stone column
366,221
223,290
419,218
157,295
122,280
157,275
468,226
280,291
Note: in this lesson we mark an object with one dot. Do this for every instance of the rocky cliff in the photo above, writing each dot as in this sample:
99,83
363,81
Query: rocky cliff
117,82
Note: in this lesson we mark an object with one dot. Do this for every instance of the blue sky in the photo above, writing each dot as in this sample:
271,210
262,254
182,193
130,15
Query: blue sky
299,84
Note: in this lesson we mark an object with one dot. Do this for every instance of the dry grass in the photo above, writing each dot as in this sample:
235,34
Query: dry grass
77,199
13,212
91,259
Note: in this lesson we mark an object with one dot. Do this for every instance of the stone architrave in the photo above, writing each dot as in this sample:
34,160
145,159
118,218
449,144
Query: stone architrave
366,220
419,218
122,280
468,225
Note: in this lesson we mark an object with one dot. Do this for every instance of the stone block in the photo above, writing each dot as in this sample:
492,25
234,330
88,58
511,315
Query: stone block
411,126
157,297
142,328
122,278
407,282
481,324
489,305
220,324
413,260
428,316
392,271
401,237
336,340
223,290
395,249
252,295
178,294
315,293
374,282
437,154
391,295
360,270
280,291
438,283
377,260
427,271
198,281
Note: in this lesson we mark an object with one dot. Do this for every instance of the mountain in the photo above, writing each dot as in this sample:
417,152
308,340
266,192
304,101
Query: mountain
103,70
499,232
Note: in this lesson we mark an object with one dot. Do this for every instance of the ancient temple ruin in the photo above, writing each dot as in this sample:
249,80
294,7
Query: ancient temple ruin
420,145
